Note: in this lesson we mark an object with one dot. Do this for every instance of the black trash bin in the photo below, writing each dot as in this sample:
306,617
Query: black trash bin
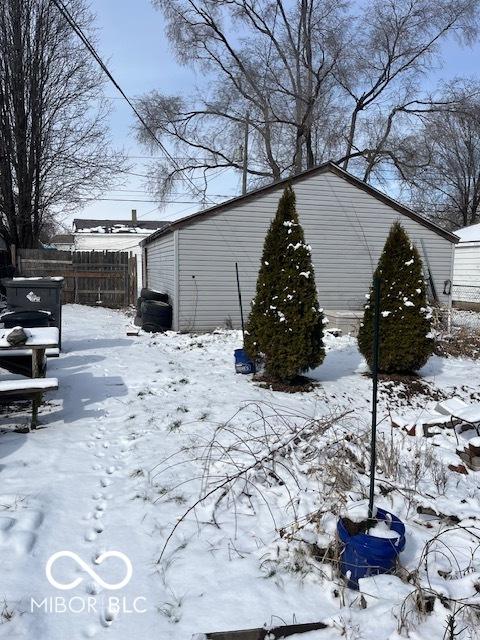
37,294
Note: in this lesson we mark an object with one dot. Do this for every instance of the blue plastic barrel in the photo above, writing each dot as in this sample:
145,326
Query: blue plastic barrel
243,364
365,555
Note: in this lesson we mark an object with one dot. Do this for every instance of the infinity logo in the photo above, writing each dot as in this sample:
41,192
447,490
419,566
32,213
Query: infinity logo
89,570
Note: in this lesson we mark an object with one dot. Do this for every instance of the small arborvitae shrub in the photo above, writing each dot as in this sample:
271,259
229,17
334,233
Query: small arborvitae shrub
285,324
405,317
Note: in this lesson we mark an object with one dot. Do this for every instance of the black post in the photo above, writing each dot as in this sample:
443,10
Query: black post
373,445
240,300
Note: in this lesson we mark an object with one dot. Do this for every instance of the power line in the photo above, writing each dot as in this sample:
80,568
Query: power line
149,201
77,29
132,192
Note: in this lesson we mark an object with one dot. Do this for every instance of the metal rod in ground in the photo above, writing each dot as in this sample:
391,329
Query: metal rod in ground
430,277
376,348
240,300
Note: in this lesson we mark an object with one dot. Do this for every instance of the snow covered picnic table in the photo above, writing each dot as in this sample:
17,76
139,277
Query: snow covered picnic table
38,338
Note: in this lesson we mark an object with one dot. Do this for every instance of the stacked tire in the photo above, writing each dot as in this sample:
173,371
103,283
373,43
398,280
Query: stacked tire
154,312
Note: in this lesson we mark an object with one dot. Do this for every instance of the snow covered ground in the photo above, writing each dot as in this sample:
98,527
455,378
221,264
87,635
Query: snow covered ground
122,454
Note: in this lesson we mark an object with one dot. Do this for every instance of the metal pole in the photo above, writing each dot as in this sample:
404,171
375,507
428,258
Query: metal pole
240,300
376,343
430,276
245,156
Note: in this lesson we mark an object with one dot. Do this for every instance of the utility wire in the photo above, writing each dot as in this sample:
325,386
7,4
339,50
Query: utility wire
192,202
143,192
78,30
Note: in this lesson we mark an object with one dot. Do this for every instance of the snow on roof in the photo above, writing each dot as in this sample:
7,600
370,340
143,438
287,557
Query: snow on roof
117,226
469,234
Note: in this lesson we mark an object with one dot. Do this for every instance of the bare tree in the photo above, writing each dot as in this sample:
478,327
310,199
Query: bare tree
269,66
54,149
444,158
396,43
314,80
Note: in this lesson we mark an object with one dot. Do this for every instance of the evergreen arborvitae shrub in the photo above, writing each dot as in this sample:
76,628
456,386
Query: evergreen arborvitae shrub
285,324
405,317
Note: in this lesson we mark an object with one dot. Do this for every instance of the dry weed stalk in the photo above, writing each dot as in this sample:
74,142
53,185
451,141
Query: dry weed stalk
425,578
277,447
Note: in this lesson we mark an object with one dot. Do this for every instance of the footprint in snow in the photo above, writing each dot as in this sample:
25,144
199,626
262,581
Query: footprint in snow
22,542
92,588
90,535
90,631
107,617
17,533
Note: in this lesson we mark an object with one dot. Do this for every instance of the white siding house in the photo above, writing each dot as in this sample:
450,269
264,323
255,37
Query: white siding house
466,272
114,235
346,222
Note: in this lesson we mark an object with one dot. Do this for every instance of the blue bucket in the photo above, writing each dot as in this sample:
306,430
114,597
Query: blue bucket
364,555
243,364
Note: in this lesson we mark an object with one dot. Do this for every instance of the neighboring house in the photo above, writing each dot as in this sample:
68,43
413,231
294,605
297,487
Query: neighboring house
466,272
346,222
63,242
110,235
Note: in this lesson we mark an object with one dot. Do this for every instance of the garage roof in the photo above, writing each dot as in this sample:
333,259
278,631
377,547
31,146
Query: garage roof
323,168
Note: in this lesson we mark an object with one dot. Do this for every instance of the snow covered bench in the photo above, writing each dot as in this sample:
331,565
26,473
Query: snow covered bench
461,411
447,413
12,353
420,425
31,388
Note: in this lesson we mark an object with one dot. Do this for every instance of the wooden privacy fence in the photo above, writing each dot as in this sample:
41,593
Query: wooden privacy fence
101,278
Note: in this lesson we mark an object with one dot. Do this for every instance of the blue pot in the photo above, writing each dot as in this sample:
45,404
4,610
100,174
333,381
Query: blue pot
364,555
243,364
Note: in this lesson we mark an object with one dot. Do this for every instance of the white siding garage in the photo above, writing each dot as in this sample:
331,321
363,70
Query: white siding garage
346,223
160,264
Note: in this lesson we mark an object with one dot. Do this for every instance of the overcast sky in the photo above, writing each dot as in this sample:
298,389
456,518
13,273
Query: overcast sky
132,39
